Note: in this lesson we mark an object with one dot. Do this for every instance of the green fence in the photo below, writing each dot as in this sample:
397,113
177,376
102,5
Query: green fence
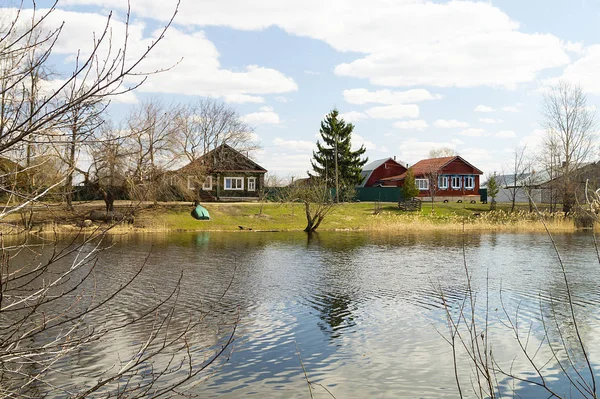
383,194
366,194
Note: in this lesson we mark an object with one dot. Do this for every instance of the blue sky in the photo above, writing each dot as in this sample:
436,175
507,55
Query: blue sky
412,75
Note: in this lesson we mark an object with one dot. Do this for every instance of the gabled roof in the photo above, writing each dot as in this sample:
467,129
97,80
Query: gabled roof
225,158
432,164
369,168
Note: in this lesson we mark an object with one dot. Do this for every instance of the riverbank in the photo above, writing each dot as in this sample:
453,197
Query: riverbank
175,216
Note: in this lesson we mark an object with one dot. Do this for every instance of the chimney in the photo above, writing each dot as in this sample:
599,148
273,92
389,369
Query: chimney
394,157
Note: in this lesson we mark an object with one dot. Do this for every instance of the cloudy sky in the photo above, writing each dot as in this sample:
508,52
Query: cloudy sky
411,75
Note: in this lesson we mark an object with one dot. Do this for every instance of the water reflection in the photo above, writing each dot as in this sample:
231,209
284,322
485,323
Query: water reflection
364,309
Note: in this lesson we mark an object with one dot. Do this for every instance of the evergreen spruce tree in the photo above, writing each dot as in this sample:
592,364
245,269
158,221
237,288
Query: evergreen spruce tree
336,133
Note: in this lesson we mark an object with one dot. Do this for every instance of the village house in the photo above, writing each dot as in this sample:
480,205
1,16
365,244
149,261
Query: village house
447,178
223,174
374,171
546,186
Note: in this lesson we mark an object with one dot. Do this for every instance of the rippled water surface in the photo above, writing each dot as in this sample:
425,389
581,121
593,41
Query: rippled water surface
364,311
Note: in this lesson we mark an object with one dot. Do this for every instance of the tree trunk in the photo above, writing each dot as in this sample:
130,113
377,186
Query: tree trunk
68,189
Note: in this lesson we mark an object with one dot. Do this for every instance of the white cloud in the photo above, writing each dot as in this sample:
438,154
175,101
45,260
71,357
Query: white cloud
490,121
405,43
574,47
192,58
482,158
506,134
282,99
242,99
452,123
295,145
416,124
266,108
353,116
396,111
358,140
265,116
364,96
533,140
296,164
510,109
584,71
413,150
472,132
483,108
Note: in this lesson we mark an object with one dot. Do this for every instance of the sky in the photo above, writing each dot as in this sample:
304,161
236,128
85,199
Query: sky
411,75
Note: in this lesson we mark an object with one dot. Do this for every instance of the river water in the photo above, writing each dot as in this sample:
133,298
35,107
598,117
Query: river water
362,313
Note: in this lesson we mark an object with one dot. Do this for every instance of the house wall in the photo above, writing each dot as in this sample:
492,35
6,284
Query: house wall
538,195
450,192
388,169
219,191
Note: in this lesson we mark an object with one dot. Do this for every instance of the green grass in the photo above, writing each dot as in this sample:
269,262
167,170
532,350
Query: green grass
274,216
352,216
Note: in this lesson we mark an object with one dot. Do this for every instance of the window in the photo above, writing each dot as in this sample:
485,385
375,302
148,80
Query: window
190,183
251,183
234,183
422,184
469,182
443,182
456,182
207,185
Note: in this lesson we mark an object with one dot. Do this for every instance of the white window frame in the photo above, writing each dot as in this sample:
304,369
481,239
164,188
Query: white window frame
190,182
231,180
252,184
422,184
454,186
443,183
471,180
207,185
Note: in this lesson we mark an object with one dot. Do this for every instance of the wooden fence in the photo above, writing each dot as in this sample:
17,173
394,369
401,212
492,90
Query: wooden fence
410,205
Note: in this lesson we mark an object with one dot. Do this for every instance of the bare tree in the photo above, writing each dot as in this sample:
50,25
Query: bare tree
569,125
548,159
82,122
316,198
207,124
151,130
442,152
108,170
432,175
517,171
51,306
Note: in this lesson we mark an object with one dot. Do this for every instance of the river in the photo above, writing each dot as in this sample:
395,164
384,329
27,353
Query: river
362,313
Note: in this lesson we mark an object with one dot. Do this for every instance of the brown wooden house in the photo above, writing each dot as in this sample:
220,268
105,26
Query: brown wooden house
375,171
223,174
451,176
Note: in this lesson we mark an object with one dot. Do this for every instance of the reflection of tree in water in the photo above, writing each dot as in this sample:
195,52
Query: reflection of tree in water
335,312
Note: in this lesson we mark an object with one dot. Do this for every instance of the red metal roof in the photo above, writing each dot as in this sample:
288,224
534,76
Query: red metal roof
432,164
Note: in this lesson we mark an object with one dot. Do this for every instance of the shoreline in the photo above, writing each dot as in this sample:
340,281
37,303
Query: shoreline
289,217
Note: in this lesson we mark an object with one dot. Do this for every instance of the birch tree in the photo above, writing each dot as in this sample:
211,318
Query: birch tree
570,129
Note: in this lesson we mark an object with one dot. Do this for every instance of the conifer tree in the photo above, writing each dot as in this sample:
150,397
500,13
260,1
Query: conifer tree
336,135
409,188
493,189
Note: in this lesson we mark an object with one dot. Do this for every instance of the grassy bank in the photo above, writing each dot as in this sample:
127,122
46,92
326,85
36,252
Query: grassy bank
290,217
350,216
